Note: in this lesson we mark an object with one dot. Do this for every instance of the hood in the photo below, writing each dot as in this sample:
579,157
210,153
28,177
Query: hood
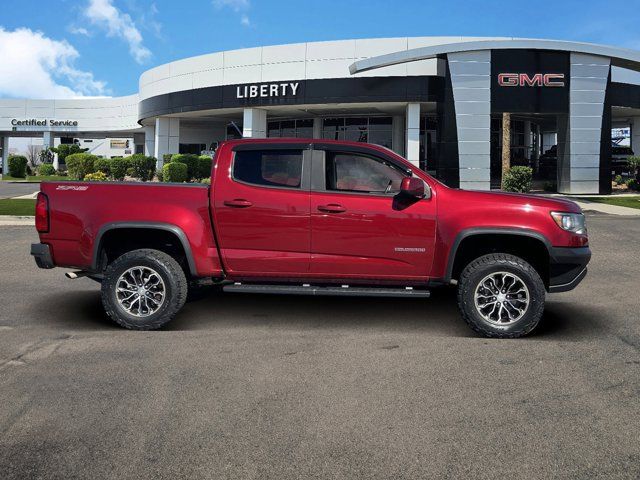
539,201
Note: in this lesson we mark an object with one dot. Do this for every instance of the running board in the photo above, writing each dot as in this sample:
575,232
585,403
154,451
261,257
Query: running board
344,290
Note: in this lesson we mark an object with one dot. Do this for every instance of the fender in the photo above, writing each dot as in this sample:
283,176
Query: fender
469,232
177,231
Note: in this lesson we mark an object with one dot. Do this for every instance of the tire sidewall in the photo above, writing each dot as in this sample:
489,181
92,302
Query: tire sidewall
530,278
123,317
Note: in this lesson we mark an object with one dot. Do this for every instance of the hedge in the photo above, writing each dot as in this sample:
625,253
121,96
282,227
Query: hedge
204,166
80,164
119,167
102,165
174,172
143,167
518,179
46,169
191,161
18,166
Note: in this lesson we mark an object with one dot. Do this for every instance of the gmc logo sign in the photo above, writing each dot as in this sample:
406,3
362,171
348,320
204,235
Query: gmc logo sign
535,80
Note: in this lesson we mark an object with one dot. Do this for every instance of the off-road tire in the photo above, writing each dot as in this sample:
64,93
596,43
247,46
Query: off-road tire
174,279
478,269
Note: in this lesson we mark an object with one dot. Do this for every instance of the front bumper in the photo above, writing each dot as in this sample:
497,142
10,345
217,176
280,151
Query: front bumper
567,267
42,254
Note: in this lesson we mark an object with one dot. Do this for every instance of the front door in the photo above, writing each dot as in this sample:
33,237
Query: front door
262,212
360,226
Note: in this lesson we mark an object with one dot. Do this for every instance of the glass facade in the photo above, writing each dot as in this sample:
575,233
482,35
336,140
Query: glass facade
378,130
291,128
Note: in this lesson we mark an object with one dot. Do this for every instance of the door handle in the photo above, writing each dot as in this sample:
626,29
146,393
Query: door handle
332,208
238,203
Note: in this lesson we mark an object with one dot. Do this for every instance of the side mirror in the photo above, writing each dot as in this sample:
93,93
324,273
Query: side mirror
413,187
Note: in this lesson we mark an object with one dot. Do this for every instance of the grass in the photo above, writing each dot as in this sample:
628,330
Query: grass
17,206
631,202
33,178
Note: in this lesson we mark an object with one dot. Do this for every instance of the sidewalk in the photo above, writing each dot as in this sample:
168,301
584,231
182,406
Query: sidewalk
601,207
14,220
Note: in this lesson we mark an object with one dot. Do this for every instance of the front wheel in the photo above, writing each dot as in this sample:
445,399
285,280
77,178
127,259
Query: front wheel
143,289
501,295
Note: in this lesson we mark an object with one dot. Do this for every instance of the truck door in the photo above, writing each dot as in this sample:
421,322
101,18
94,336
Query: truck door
261,209
359,225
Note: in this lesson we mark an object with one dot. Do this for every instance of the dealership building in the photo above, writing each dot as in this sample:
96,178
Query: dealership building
438,101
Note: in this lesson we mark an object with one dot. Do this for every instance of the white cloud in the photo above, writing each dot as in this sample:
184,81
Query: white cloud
35,66
78,30
238,6
103,14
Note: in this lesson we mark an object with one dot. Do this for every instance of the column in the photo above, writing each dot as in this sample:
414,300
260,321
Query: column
166,138
397,136
317,127
150,141
5,155
471,83
412,123
635,135
579,166
254,123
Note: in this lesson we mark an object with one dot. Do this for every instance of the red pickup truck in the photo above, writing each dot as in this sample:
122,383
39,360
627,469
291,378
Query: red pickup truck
319,217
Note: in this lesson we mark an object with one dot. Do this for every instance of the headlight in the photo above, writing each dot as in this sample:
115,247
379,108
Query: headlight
571,222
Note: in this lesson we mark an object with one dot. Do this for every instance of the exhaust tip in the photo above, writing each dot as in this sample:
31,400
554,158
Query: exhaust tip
71,275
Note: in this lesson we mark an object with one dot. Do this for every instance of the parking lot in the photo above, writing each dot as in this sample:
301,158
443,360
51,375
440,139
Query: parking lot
281,387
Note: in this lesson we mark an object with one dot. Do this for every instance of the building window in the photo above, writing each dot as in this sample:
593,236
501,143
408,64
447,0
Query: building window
194,148
269,168
290,128
378,130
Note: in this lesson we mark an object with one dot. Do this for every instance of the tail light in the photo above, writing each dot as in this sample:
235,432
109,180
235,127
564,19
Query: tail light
42,213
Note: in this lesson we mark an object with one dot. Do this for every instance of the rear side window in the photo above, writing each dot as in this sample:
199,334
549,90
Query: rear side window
349,172
269,168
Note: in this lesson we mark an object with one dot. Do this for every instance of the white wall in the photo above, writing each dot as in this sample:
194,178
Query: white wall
298,61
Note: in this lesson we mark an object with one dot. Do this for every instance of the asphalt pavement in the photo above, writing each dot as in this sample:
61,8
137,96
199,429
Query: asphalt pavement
246,386
11,189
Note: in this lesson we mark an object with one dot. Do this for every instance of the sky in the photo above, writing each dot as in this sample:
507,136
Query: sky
75,48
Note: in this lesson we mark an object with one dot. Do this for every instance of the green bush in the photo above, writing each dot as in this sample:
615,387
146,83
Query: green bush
143,167
80,164
96,177
46,169
174,172
206,181
204,166
66,149
166,158
618,180
119,167
632,184
102,165
191,161
518,179
18,166
159,174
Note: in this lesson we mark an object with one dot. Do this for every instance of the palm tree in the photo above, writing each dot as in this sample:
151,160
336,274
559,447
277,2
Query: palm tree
506,145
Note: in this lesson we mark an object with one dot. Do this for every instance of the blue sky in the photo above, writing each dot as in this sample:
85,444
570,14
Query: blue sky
65,48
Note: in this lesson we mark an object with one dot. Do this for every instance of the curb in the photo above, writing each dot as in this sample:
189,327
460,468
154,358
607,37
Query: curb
15,220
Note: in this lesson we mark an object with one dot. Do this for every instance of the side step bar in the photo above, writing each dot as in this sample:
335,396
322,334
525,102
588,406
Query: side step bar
344,290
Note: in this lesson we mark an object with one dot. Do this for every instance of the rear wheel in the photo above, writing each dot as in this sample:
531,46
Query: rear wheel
143,289
501,295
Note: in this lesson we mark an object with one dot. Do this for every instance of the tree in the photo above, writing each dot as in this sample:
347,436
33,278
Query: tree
33,154
506,145
46,156
66,149
634,166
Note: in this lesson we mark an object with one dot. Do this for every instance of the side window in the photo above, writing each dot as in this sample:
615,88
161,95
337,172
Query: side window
352,172
270,168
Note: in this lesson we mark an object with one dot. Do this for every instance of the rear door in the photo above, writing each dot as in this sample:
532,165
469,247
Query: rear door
360,226
262,210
